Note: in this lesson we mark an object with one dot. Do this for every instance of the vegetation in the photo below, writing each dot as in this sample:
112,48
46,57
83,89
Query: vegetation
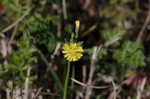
74,49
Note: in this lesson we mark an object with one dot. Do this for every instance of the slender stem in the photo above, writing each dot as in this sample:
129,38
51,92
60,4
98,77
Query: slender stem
26,85
64,9
66,81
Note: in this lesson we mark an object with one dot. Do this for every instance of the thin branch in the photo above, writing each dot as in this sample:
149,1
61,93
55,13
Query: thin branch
92,70
141,88
64,9
85,85
37,94
16,22
86,4
114,90
93,27
113,40
57,48
58,44
8,92
92,66
26,86
147,20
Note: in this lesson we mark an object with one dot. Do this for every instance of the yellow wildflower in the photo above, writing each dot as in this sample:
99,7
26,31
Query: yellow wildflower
72,51
77,23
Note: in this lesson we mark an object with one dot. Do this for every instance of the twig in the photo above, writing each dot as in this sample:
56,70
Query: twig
16,22
8,91
26,86
86,4
114,90
92,70
4,48
93,27
64,9
93,60
85,85
57,48
113,40
38,92
102,77
141,88
58,44
147,20
2,35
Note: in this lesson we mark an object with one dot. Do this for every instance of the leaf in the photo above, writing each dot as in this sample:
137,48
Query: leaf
130,55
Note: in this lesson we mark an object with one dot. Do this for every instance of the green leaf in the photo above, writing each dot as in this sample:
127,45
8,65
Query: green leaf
130,55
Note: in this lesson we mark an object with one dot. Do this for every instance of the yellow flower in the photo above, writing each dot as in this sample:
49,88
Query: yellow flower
77,22
72,51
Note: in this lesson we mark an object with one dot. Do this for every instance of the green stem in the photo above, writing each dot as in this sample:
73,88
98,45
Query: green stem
66,81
